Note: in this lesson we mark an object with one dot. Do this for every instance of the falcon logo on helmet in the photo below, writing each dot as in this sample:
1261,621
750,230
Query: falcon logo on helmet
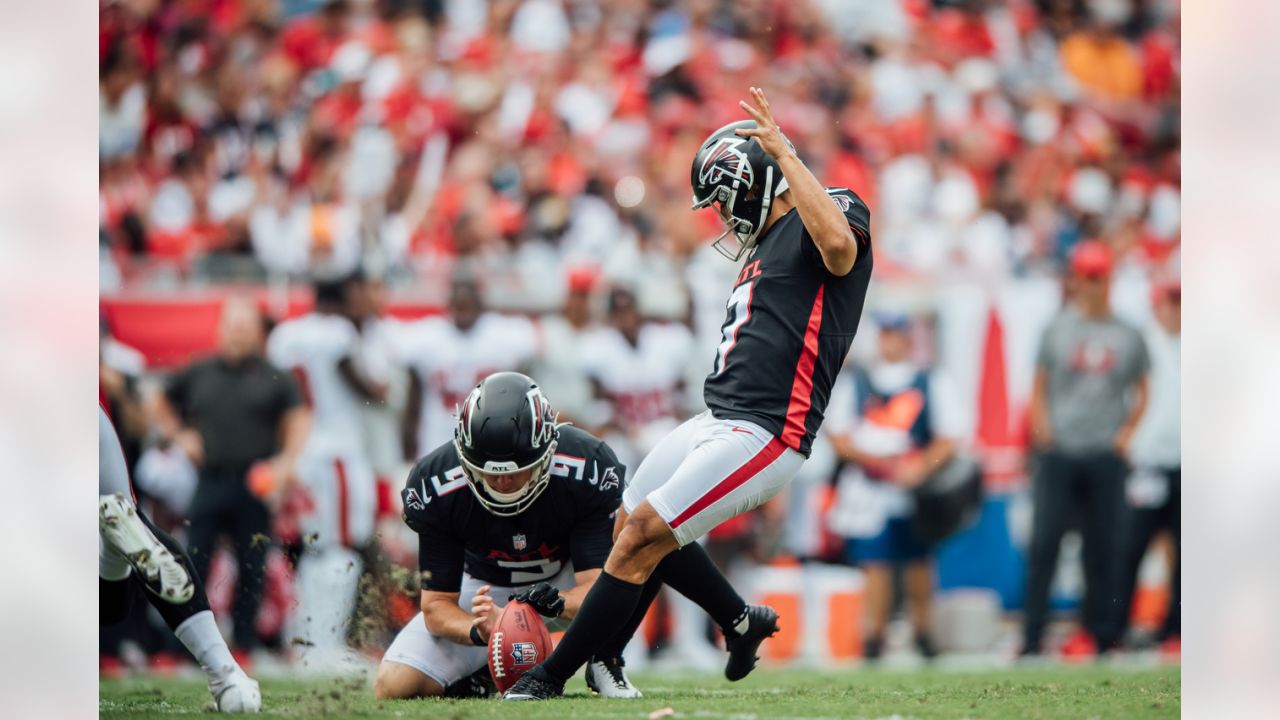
544,421
726,159
464,414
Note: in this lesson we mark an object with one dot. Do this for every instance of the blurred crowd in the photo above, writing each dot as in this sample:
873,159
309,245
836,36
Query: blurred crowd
251,138
523,165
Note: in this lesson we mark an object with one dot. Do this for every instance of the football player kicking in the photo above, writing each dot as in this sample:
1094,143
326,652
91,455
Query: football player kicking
792,316
131,552
514,506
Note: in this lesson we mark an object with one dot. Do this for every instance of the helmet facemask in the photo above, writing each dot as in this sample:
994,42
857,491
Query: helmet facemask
744,216
512,503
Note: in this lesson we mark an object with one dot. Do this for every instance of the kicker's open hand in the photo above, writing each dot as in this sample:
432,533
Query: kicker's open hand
766,132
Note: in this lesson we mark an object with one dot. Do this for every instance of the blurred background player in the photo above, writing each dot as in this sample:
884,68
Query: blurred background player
636,368
132,552
229,412
320,349
536,523
385,424
1089,395
891,422
1154,488
382,605
447,356
566,334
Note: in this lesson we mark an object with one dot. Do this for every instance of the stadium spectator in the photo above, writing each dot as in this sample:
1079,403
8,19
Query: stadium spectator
1089,395
891,423
230,412
1102,61
398,132
1154,489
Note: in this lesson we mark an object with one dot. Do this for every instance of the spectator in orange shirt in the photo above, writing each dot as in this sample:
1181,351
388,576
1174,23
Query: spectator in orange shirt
1102,62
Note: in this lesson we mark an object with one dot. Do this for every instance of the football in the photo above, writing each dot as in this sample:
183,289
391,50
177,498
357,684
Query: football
519,641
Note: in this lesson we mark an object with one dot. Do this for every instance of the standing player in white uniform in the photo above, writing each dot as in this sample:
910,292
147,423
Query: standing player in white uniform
379,360
449,355
133,552
792,316
637,368
319,348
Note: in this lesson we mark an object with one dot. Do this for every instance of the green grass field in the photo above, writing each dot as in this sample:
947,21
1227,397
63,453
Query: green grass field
1050,692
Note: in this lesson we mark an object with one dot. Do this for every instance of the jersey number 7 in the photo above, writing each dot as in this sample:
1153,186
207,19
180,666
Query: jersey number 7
739,310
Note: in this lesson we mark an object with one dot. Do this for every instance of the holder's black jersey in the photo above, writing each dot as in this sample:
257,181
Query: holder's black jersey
789,326
571,520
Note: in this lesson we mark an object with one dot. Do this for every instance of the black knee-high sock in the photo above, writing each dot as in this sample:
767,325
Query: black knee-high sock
595,624
175,615
690,572
114,599
619,641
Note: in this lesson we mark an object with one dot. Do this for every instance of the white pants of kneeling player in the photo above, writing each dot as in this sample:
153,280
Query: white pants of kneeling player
344,495
708,470
446,661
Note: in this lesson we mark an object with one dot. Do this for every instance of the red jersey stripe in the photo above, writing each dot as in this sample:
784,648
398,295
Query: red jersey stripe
793,431
757,463
344,532
304,385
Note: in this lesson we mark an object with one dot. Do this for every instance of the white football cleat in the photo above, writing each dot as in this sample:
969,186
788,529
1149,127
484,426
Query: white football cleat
123,530
609,679
237,693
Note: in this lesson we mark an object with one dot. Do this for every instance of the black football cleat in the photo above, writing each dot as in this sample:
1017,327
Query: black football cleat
762,624
535,685
478,684
872,649
925,645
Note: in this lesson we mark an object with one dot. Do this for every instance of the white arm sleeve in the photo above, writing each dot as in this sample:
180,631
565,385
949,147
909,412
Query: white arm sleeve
279,349
525,343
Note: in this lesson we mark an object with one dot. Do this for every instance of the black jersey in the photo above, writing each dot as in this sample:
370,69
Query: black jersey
571,520
790,324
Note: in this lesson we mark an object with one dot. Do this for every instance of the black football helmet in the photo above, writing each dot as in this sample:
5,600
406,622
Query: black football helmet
506,426
741,178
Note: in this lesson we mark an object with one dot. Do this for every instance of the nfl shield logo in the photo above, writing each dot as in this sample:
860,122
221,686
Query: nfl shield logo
519,542
524,653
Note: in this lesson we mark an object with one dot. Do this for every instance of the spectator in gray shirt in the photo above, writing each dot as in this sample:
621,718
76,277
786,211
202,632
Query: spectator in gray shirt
1090,392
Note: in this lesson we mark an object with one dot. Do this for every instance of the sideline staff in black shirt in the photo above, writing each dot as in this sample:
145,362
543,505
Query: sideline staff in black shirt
230,411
